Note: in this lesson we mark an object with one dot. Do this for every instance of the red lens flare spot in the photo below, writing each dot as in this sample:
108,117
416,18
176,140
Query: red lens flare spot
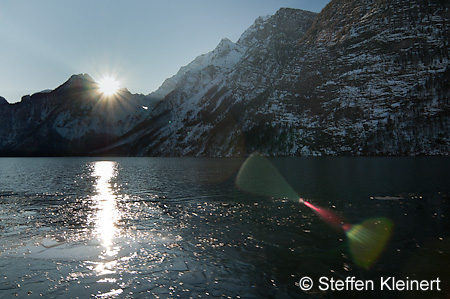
330,217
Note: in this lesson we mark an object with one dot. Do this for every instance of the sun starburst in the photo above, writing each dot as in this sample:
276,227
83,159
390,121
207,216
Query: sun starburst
108,86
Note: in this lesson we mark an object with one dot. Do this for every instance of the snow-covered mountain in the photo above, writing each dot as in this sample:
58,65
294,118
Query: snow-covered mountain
363,77
201,111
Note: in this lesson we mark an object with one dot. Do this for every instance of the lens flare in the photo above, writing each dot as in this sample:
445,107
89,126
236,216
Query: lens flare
258,176
366,240
330,217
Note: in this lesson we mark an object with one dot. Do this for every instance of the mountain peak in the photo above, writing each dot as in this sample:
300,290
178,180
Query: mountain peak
223,48
225,41
80,77
78,81
290,21
225,55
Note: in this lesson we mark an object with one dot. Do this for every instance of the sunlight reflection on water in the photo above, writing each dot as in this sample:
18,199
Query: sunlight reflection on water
107,214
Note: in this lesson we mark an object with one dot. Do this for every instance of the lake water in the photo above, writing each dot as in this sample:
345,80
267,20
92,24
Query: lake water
180,227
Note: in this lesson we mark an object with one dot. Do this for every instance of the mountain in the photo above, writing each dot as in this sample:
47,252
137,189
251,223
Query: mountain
379,76
363,77
199,113
73,119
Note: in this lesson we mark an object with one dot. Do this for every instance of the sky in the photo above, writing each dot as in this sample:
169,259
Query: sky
138,42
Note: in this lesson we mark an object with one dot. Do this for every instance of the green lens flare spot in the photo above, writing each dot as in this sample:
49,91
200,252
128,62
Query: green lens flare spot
259,176
368,240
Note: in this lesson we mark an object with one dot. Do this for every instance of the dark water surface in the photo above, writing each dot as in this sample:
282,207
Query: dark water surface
179,227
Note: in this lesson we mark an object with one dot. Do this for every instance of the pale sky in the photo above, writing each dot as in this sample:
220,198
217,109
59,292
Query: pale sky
140,42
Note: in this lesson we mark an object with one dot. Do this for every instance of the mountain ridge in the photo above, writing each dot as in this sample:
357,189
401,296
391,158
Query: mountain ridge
332,96
363,77
73,119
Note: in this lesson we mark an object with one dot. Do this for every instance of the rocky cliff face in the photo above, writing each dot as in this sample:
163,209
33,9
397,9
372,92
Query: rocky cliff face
379,76
363,77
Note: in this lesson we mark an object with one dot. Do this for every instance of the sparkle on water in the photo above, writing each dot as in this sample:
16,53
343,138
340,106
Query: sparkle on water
176,227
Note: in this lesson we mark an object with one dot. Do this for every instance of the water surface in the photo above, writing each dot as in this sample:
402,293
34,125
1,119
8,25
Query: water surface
179,227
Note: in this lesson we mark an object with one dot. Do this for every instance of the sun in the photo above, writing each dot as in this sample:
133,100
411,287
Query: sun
108,86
